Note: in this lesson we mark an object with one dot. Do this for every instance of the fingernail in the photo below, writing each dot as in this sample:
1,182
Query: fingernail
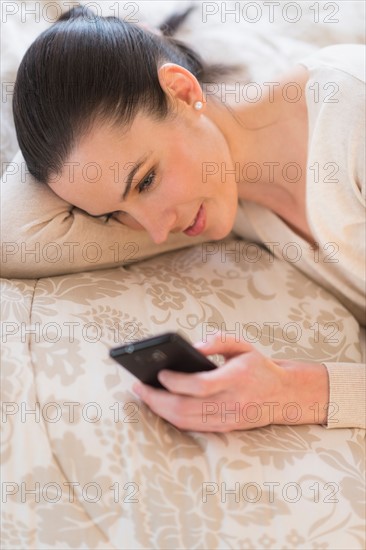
163,376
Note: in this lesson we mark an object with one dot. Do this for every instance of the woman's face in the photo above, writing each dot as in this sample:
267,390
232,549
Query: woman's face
186,164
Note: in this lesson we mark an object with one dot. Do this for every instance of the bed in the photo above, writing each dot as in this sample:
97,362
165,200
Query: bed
85,464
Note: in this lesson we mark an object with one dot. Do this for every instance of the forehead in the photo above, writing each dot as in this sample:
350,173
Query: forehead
104,142
105,153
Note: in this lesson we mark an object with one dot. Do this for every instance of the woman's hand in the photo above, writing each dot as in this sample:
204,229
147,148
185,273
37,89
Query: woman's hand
248,391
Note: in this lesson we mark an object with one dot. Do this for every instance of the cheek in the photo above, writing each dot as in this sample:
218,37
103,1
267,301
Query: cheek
189,179
216,169
127,220
86,196
179,183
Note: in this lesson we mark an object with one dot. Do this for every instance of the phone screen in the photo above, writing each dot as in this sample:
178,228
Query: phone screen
145,358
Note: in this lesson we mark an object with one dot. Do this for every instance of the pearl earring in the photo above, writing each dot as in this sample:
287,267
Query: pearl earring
198,105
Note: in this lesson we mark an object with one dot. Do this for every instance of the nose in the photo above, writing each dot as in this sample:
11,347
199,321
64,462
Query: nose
159,235
159,226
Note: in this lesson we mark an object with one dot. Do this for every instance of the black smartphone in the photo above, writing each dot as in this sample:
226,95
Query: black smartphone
145,358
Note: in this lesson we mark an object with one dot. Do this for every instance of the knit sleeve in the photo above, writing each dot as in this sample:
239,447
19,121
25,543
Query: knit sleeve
347,391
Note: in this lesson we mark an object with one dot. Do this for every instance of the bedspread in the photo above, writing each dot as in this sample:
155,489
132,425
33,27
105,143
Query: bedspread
84,463
92,467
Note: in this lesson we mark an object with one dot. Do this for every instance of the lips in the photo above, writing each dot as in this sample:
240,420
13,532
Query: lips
198,225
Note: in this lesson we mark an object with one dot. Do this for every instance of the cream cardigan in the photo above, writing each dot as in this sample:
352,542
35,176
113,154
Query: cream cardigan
335,197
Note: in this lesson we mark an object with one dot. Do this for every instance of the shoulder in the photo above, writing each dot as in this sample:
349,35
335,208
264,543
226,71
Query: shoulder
347,58
335,94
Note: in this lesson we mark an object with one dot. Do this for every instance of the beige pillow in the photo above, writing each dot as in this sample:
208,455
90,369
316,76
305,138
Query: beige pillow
43,235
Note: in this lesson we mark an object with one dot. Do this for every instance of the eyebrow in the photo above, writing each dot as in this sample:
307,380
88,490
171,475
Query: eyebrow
137,165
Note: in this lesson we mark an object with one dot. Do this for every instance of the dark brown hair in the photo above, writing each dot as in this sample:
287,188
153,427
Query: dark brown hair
86,68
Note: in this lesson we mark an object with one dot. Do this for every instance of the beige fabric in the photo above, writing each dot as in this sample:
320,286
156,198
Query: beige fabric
294,487
155,482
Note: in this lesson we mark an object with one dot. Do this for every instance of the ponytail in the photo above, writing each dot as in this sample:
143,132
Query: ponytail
86,68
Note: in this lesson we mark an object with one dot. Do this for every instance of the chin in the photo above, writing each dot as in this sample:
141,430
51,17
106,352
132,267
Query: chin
220,231
223,227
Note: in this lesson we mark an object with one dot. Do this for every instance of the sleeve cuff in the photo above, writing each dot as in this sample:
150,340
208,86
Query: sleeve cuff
347,390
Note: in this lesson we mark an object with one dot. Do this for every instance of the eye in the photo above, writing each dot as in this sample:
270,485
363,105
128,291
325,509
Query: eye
143,186
147,182
115,212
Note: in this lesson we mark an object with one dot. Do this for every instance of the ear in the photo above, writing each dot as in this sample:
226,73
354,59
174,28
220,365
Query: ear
179,84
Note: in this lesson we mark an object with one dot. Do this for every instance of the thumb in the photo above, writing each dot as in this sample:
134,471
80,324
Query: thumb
220,343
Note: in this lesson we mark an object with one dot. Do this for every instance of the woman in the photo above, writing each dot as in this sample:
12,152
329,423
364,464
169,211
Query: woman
171,158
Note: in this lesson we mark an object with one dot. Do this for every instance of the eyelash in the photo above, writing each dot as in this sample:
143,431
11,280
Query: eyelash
141,187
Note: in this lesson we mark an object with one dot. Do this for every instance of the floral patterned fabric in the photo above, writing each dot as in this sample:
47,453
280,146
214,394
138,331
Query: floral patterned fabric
84,463
93,467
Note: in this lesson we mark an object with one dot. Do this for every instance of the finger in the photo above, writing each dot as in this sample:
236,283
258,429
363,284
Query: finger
205,383
186,413
182,411
228,346
196,384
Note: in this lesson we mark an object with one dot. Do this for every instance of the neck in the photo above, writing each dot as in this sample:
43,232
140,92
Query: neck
256,136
